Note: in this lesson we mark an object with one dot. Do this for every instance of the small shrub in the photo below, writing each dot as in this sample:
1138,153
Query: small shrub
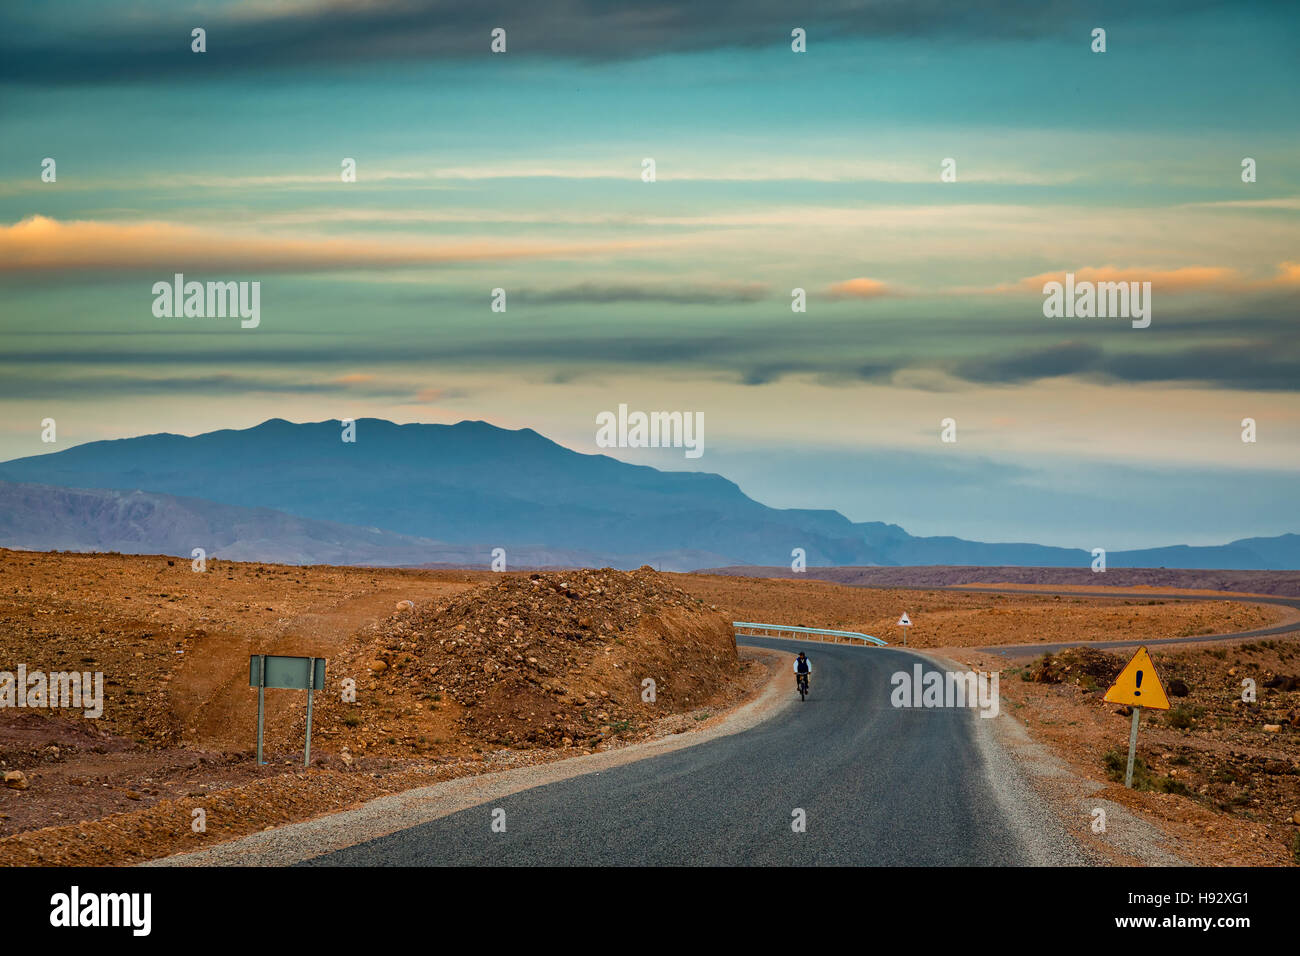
1170,785
1183,718
1116,762
1143,779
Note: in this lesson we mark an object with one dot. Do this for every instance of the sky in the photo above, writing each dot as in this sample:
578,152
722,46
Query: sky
774,170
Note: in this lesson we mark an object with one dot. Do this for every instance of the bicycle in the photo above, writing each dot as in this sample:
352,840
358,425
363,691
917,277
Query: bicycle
802,681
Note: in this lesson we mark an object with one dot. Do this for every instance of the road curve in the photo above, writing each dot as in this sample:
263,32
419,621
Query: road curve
1020,650
878,786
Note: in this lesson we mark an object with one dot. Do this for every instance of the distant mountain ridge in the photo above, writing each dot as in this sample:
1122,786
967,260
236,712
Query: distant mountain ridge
46,518
473,484
40,517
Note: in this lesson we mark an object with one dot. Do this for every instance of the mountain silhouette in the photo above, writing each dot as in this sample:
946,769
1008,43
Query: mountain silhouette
474,484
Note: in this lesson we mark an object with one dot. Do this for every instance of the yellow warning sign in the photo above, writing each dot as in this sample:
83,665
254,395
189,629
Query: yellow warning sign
1138,684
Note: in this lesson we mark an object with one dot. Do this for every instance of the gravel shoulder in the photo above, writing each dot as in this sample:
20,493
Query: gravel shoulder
1217,781
1021,780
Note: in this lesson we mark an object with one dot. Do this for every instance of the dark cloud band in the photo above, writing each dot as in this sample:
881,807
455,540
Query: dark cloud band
38,48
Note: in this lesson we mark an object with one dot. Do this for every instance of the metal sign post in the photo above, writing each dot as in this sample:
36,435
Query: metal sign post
261,704
289,673
1132,748
306,751
904,622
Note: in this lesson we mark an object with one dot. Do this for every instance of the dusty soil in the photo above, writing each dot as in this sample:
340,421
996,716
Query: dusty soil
955,619
1225,790
1240,582
464,672
242,799
446,667
1218,774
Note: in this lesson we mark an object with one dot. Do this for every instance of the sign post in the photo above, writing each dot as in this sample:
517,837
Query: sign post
289,673
904,622
306,750
1132,748
260,662
1133,688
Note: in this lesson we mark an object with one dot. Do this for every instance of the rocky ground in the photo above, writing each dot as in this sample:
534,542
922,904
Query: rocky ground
1220,774
435,674
955,619
431,674
554,659
1239,582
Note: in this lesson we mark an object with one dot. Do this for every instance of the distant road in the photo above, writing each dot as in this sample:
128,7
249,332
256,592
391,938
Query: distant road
878,785
1276,583
1020,650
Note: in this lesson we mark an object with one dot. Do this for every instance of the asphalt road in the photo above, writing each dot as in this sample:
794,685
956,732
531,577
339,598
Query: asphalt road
877,785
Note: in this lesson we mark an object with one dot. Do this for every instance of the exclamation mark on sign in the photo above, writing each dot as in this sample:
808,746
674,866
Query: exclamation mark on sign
1138,691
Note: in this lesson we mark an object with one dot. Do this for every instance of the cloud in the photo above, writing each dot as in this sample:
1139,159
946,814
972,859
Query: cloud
1172,281
95,386
1282,202
674,294
1067,358
1273,366
859,289
258,37
41,244
22,384
767,352
1186,279
1288,274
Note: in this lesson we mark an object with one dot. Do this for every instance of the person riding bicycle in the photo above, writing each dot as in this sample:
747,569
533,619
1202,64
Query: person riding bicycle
802,666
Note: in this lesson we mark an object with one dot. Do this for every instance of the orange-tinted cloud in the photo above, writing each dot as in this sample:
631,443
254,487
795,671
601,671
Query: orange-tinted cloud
1288,274
860,289
1185,279
39,243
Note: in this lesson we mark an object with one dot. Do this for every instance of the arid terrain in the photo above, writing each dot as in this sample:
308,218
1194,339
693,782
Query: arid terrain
1219,774
462,672
455,672
1240,582
955,619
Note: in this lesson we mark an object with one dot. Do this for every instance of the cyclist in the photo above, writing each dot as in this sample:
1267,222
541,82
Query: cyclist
802,666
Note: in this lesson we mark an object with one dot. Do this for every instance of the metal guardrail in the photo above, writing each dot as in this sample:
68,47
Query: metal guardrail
813,633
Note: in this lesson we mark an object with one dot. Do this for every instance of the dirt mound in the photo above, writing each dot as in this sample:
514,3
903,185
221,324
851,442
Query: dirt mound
548,659
431,675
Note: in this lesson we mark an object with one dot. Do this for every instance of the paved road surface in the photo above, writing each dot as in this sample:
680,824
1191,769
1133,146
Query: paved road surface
879,786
